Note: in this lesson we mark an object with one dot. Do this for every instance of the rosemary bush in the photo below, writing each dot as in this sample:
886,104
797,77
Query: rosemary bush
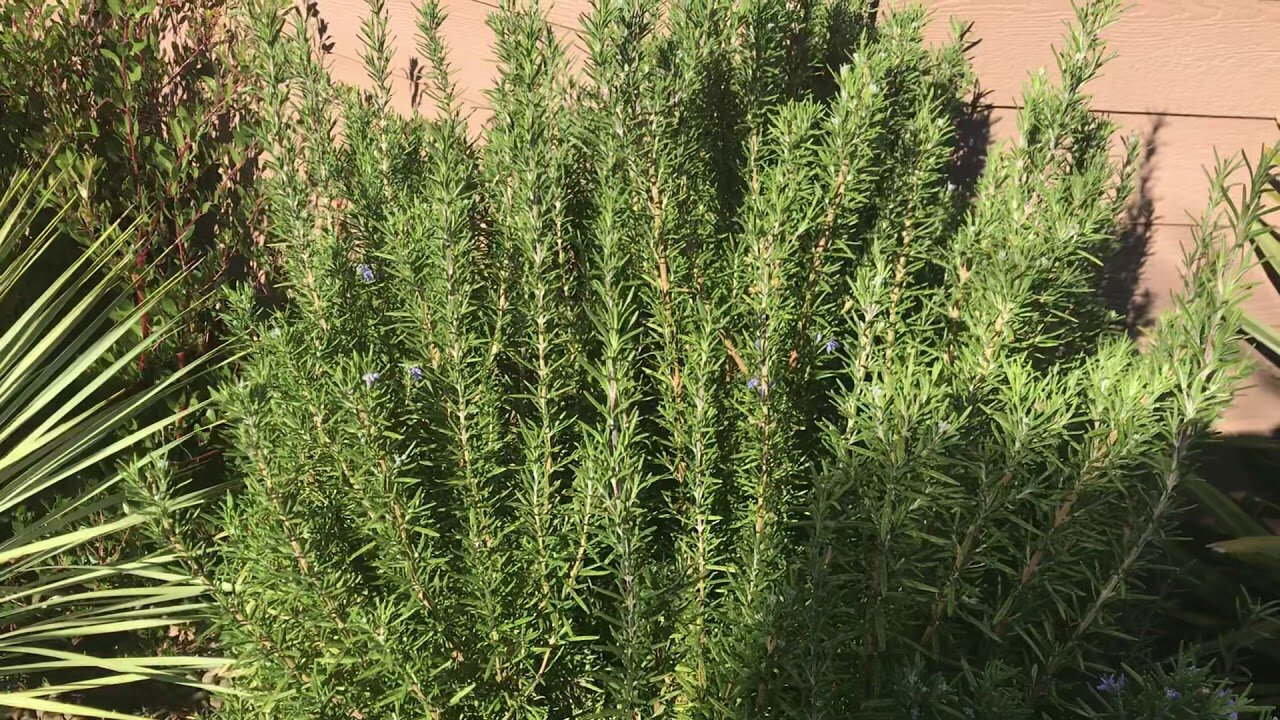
695,387
1231,598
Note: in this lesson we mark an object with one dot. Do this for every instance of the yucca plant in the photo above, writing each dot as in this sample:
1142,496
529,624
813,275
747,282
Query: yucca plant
68,436
1267,247
695,388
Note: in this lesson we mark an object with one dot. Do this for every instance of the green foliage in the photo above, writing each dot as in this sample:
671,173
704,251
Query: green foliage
695,388
1232,592
146,96
61,422
1267,247
1179,690
141,101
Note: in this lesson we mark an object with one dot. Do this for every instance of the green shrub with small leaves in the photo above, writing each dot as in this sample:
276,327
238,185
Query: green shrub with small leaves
145,99
698,385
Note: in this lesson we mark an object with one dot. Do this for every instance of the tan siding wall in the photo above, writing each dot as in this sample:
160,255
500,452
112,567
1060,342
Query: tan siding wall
1191,77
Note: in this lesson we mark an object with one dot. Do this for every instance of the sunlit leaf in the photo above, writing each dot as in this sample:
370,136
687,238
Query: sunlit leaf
56,361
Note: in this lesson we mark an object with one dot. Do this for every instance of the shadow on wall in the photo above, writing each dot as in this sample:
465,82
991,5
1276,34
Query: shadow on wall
1123,287
973,141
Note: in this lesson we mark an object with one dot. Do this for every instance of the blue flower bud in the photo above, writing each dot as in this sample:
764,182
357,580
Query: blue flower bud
1111,683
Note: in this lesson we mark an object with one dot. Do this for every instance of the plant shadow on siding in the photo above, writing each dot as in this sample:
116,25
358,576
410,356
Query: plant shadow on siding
973,141
1122,287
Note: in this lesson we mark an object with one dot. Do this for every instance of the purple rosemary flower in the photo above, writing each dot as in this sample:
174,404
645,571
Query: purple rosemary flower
416,373
371,378
366,272
831,346
1111,683
1172,694
755,384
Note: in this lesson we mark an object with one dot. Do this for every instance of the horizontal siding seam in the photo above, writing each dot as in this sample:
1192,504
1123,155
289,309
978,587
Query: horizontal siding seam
1152,113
